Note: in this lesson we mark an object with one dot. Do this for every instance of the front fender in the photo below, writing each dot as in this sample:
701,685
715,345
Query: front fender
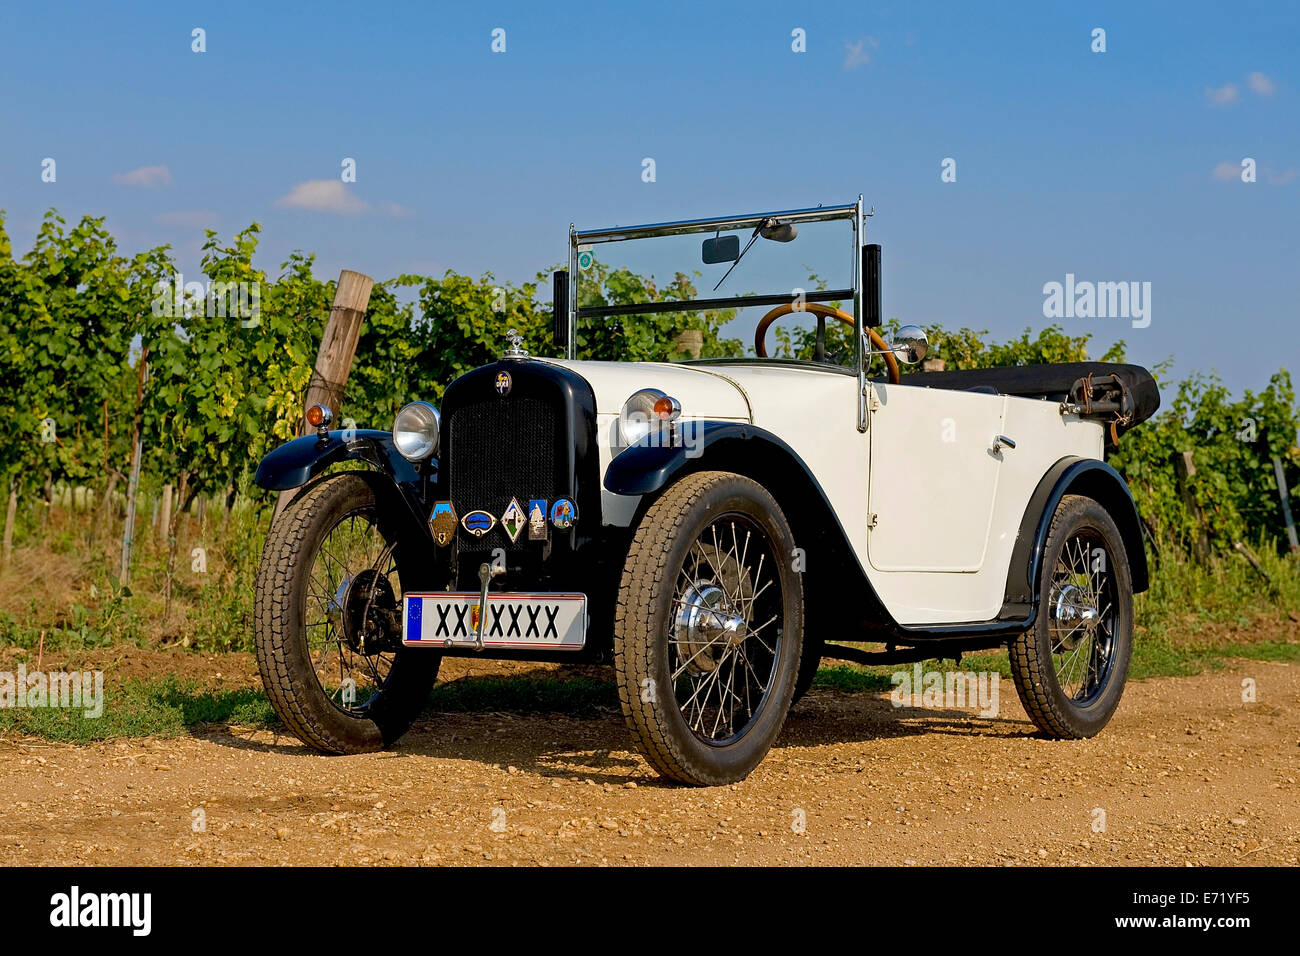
396,481
296,462
648,466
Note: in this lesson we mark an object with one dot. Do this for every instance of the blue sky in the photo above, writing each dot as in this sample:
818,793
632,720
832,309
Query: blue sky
1114,166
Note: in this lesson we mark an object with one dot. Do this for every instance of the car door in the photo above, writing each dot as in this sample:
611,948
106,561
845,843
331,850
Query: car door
933,477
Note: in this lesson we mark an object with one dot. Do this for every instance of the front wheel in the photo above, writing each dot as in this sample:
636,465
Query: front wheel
327,621
709,628
1070,669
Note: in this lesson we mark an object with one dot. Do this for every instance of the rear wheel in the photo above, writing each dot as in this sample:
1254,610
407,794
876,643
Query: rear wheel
1070,669
708,629
810,661
327,621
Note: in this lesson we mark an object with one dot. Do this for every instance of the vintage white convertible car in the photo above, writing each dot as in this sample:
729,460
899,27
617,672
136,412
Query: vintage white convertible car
714,522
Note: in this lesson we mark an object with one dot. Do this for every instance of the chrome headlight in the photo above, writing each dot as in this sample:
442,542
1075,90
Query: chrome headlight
415,431
644,412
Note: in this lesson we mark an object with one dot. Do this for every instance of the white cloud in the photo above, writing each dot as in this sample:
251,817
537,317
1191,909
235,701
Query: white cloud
323,195
397,210
857,54
1261,84
1227,171
145,176
1223,95
189,218
1282,178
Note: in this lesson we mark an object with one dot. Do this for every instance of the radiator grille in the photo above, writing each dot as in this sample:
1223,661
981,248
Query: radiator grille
501,450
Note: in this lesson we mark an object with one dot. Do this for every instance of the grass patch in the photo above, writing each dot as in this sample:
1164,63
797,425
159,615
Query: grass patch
172,706
168,707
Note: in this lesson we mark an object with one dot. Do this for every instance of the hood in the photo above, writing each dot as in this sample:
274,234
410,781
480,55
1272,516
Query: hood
703,393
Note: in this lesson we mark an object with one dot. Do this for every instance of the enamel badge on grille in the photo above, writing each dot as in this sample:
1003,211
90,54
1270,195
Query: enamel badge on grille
537,519
444,522
478,523
503,383
563,514
513,519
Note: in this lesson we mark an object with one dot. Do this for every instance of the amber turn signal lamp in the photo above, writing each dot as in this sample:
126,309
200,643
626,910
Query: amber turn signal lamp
667,409
319,416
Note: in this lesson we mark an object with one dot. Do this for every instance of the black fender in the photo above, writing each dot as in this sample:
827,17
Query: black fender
1073,476
397,483
654,462
831,568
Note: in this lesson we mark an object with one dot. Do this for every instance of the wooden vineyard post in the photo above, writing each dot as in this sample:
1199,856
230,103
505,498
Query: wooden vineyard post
165,516
1184,469
338,345
11,515
133,484
1286,503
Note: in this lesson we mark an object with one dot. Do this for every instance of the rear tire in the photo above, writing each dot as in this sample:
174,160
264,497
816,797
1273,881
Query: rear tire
808,665
1070,669
710,606
302,580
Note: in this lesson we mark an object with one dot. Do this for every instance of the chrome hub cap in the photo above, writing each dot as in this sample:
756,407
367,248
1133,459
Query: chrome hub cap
1072,607
705,628
1081,616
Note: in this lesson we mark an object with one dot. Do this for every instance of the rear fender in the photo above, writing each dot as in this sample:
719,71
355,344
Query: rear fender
1073,476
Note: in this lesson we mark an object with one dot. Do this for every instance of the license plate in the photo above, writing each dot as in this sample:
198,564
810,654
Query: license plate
451,619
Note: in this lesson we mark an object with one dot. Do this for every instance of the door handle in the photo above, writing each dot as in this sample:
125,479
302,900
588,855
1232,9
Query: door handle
1001,440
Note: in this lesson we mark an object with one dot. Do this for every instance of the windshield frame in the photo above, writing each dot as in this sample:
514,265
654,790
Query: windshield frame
587,237
850,211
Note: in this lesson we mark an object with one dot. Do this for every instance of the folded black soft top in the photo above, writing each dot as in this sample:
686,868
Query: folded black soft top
1122,395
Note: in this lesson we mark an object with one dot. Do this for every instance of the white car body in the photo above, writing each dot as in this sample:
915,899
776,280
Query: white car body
930,510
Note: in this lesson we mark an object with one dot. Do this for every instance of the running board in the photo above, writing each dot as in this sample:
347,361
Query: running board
906,655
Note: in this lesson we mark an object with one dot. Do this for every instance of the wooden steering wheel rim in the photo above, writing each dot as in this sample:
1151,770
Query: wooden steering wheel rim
816,308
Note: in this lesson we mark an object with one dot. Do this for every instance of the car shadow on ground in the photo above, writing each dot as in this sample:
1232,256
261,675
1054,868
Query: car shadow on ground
569,726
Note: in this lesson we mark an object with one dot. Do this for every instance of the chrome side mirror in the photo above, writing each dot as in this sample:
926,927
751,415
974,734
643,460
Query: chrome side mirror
910,344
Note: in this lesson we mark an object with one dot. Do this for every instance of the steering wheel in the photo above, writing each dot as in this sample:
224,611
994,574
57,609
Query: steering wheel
826,311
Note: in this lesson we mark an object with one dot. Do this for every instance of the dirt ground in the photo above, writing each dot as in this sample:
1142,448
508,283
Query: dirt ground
1185,774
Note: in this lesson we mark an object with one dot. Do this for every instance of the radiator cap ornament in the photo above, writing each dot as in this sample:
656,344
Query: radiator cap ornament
516,349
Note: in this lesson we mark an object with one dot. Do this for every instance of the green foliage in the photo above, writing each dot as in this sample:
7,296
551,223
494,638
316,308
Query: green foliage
648,337
222,389
1232,445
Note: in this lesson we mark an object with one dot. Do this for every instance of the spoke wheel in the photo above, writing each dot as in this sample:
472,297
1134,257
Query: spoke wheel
352,625
726,629
1070,669
1081,616
327,620
709,628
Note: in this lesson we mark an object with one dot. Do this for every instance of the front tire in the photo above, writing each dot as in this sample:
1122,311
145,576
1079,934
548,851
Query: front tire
709,629
328,643
1070,669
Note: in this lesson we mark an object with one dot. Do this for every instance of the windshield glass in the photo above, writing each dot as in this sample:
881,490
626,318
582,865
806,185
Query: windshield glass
709,316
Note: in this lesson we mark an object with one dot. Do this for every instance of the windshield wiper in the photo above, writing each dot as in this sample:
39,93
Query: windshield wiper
769,228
